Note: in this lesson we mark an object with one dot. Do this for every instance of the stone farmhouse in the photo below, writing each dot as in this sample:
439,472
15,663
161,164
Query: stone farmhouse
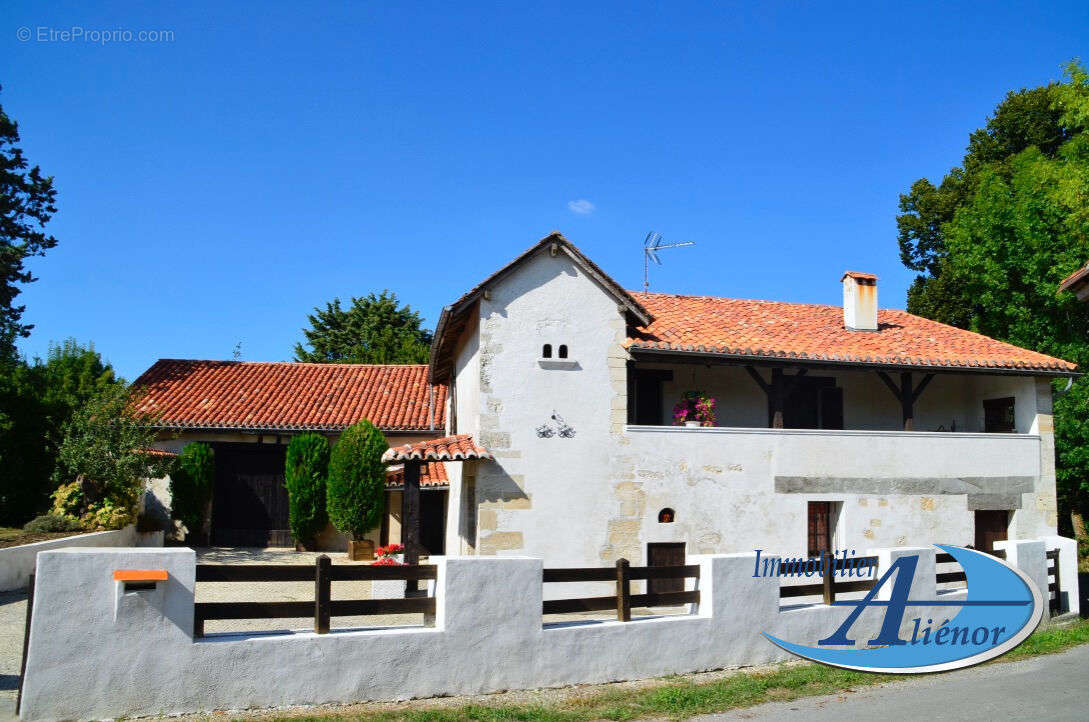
544,419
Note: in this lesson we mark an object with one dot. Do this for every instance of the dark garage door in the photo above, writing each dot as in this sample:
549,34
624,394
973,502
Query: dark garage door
250,504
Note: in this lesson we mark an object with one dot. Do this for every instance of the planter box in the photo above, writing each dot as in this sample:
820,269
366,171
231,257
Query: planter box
360,551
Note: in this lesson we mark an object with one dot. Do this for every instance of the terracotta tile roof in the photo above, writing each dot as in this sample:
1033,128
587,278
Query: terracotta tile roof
289,396
448,448
1074,278
432,474
159,453
770,329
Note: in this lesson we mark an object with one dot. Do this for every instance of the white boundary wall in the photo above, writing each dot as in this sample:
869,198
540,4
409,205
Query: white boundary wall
17,563
97,651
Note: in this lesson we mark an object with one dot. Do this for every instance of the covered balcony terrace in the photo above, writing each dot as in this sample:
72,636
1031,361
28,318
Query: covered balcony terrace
762,395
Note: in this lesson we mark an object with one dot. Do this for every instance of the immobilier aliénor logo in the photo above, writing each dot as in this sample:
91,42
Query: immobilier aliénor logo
999,608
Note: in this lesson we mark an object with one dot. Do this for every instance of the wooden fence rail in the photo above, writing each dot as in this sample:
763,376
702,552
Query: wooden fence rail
622,574
323,608
1054,604
944,577
830,585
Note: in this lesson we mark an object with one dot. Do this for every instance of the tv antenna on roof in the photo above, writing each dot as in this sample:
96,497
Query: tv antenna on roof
651,246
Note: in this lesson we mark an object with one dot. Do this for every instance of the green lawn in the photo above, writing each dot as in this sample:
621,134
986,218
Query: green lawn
677,698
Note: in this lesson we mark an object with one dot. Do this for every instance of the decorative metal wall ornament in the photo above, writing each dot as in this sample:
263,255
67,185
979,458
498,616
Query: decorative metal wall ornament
565,430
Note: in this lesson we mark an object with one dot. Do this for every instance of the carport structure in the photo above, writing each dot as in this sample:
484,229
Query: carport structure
414,456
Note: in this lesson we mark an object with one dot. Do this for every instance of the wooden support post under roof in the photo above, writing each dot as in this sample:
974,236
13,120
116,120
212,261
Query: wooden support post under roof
906,394
410,518
778,390
778,398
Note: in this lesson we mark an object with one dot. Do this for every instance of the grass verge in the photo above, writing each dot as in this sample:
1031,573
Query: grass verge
678,698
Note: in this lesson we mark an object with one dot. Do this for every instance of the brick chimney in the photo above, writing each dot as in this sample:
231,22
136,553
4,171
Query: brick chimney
859,301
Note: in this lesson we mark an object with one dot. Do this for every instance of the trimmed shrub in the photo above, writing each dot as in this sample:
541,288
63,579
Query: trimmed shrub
52,523
191,482
305,473
102,464
356,493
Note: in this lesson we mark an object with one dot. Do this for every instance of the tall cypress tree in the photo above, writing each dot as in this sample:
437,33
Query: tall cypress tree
356,494
305,475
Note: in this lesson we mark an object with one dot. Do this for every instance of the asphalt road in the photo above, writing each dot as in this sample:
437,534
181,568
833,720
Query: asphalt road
12,622
1050,687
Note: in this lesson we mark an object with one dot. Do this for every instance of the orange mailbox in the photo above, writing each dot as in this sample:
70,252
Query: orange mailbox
135,580
140,575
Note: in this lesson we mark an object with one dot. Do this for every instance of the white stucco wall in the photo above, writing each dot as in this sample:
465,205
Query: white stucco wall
17,563
544,496
97,651
722,484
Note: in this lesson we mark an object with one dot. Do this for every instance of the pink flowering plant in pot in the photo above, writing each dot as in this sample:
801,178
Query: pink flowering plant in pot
694,406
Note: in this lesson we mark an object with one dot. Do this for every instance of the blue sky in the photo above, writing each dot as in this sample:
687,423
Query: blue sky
215,188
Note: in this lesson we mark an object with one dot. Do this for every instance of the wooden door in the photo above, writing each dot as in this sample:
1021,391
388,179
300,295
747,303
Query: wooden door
250,505
814,403
820,528
665,554
991,526
645,400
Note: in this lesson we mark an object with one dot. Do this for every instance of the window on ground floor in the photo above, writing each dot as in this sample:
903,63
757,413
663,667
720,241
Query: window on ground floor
821,527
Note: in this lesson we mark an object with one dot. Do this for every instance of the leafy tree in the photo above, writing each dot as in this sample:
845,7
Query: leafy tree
101,463
26,452
192,480
997,237
36,400
72,374
1025,119
373,330
356,493
306,472
26,205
